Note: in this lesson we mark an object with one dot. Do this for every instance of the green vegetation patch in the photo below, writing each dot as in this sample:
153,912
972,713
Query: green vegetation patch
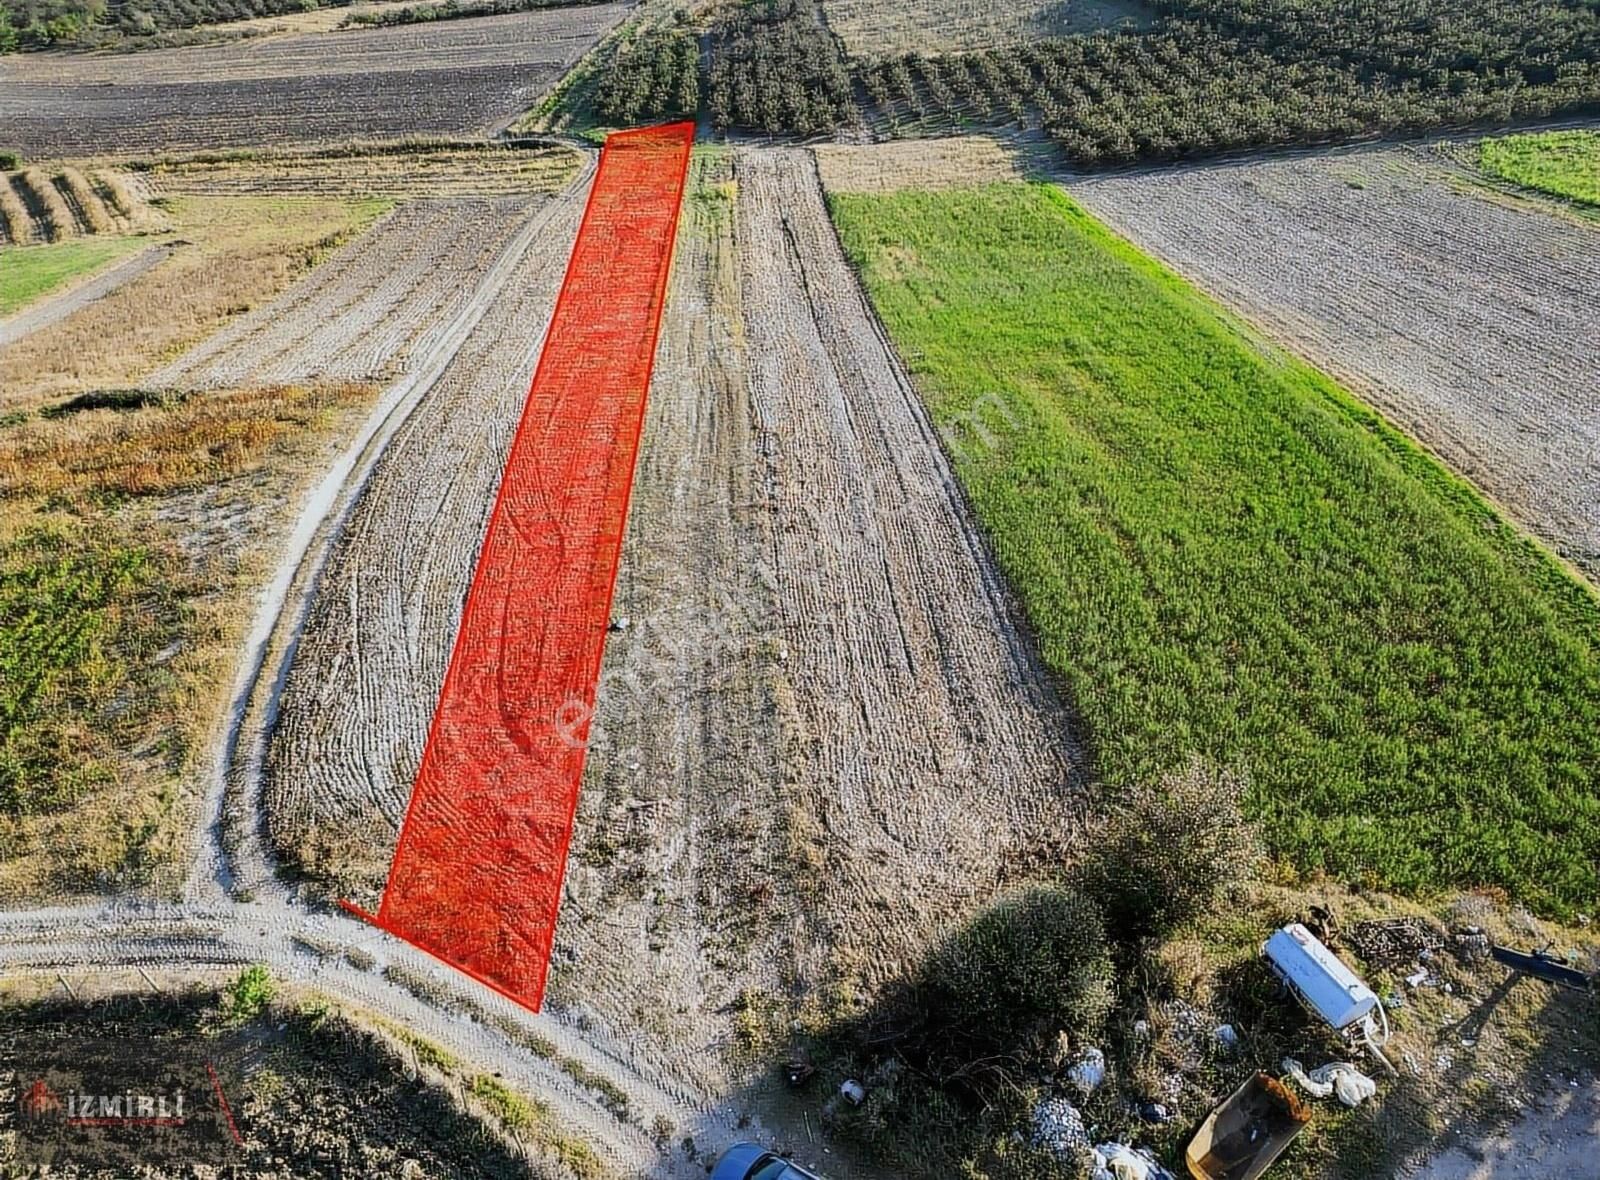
1225,556
1561,163
30,272
84,615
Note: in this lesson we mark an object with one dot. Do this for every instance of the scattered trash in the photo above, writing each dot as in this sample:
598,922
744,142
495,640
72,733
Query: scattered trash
1155,1112
1337,1077
1241,1138
1396,941
1141,1029
1089,1072
854,1091
798,1068
1118,1161
1058,1127
621,623
1417,978
1471,944
1394,1000
1227,1036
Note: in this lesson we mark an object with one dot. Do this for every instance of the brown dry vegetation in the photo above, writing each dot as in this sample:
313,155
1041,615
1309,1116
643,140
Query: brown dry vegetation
416,168
50,205
98,446
101,498
240,252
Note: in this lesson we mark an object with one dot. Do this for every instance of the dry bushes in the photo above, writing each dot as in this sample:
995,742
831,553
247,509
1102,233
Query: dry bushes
92,449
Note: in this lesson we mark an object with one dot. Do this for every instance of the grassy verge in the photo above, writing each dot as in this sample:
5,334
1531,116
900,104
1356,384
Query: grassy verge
32,272
1562,163
1226,556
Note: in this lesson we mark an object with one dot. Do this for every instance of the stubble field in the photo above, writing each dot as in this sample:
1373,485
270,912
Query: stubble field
820,731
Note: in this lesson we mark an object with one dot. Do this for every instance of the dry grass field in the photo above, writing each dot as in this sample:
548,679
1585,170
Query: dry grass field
1466,316
871,28
451,76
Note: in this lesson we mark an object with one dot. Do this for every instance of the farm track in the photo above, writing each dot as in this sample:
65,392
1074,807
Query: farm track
368,312
449,76
58,307
1465,316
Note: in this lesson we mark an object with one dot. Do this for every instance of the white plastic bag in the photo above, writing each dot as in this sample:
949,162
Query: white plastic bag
1337,1077
1089,1072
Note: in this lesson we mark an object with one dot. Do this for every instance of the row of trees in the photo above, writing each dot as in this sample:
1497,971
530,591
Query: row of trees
654,78
775,69
1206,76
1215,75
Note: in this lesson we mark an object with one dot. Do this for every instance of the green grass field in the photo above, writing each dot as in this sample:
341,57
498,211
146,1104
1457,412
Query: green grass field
30,272
1562,163
1225,555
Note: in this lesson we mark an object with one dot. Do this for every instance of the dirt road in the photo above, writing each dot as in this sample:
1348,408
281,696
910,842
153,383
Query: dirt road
1468,318
56,308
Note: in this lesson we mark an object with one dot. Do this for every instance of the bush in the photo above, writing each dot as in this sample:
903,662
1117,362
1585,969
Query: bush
1031,965
1169,853
249,994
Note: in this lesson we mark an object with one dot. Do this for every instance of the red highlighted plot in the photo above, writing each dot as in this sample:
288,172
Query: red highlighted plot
477,873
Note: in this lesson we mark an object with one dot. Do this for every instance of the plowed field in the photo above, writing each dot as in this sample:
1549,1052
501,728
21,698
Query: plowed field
462,75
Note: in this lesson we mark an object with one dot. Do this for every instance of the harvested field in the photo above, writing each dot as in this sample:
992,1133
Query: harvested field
50,205
1470,321
367,311
819,735
439,168
915,163
454,76
368,668
233,254
872,28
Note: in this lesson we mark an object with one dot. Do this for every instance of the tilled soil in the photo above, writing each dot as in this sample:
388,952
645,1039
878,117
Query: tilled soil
368,669
1469,318
447,76
365,313
820,736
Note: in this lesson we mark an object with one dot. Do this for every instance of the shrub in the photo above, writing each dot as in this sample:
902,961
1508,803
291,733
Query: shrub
1032,964
1169,852
9,161
249,994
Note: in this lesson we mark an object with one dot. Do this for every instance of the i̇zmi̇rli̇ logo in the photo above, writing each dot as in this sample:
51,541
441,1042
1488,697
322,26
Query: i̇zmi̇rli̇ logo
103,1110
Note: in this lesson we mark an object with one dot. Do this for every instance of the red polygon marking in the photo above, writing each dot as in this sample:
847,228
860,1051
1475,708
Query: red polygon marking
476,877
